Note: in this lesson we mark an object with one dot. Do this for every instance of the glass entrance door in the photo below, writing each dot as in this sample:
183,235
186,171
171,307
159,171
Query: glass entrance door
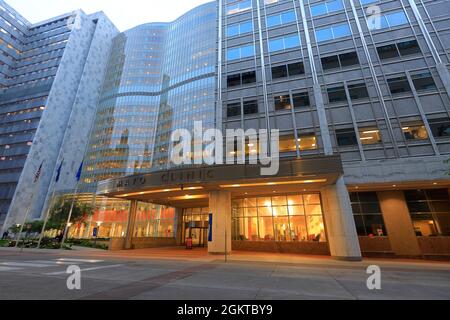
198,235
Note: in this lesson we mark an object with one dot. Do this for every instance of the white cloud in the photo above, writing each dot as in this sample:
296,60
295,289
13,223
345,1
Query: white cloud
125,14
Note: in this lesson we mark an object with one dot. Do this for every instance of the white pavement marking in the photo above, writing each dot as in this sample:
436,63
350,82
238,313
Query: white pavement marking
87,269
79,260
9,268
24,264
52,263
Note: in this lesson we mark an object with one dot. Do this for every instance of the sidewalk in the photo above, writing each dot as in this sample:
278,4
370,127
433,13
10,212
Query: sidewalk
201,255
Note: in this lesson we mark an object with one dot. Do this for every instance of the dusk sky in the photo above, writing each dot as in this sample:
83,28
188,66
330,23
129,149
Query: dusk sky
125,14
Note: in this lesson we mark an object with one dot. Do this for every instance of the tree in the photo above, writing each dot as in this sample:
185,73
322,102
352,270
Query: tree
60,212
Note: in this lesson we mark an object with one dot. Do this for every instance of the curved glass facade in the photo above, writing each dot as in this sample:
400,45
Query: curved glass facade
159,78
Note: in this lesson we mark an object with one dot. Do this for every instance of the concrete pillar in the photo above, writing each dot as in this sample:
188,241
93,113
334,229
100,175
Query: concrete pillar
398,223
131,224
179,225
220,207
339,222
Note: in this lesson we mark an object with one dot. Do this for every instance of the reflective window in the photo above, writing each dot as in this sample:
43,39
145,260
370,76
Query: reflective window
440,127
399,85
239,7
367,214
429,211
358,91
240,28
240,53
326,7
423,81
284,43
333,32
280,19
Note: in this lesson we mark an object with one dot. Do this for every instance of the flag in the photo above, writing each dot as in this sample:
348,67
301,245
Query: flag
38,173
58,171
79,171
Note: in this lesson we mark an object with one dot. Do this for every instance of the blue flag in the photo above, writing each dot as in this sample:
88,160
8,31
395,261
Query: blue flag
79,171
58,172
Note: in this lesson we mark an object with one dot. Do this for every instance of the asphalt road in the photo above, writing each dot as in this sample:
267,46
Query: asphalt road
174,275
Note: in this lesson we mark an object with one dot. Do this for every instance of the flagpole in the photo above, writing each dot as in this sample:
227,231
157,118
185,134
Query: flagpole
36,181
46,219
66,229
25,218
47,215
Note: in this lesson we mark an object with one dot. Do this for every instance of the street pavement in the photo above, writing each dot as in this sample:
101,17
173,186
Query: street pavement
175,273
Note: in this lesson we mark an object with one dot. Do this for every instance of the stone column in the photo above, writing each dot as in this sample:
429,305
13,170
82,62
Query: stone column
131,224
339,222
179,226
398,223
220,207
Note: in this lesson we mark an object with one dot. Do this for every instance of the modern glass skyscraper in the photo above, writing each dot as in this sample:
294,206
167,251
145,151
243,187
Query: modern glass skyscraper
159,78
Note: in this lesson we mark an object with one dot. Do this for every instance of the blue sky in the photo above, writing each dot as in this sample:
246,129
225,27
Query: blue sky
124,13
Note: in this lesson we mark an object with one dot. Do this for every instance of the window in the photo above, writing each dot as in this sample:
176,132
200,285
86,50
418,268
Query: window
327,7
241,78
239,7
284,43
388,51
408,47
233,109
280,19
289,70
241,28
330,62
429,211
307,141
423,81
414,131
440,127
336,94
301,100
358,91
282,102
240,53
346,137
367,214
388,20
295,69
348,59
234,80
369,135
250,107
333,32
279,72
400,49
287,143
398,85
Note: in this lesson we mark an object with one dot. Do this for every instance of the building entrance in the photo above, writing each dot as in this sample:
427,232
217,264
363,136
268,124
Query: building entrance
195,221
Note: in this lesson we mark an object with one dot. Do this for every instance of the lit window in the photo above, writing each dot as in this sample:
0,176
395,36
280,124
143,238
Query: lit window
414,131
370,135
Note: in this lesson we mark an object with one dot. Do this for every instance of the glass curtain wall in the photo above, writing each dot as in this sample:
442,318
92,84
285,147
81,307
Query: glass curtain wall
296,217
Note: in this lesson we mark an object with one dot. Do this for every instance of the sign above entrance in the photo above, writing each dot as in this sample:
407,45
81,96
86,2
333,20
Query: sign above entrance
222,174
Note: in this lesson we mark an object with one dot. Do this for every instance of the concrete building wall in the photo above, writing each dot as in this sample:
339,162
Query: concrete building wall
65,122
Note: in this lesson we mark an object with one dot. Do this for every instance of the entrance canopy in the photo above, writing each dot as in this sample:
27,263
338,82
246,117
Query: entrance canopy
190,187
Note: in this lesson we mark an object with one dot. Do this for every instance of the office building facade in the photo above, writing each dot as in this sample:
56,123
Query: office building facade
50,81
359,91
